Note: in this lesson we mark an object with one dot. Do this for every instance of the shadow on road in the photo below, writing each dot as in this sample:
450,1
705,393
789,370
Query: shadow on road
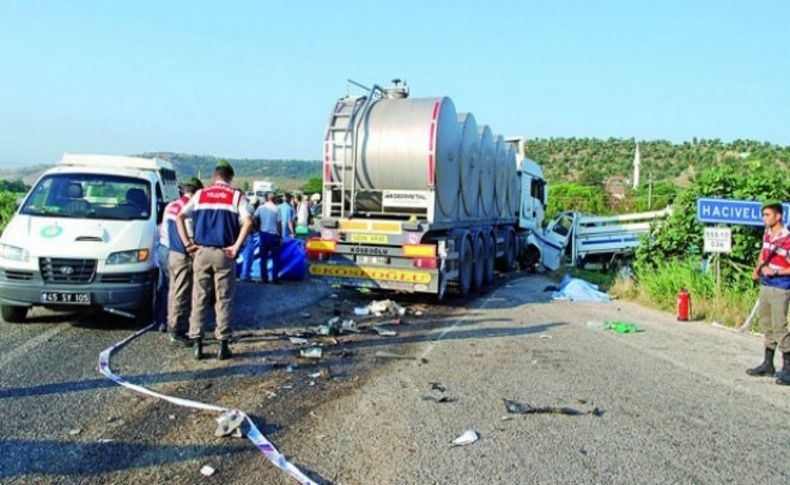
26,457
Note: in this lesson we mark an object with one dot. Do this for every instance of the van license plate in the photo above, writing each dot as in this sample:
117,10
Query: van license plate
65,298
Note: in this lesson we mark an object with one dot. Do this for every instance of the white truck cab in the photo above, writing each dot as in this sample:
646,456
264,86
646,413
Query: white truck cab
85,237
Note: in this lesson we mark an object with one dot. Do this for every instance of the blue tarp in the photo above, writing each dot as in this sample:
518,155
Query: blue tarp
292,258
576,289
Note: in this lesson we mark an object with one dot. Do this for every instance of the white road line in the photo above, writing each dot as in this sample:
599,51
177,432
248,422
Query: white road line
31,344
488,299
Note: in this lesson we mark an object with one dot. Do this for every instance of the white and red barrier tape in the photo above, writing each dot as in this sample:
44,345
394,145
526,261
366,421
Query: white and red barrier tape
253,433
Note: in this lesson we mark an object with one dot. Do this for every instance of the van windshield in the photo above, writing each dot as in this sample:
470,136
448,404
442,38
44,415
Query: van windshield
90,196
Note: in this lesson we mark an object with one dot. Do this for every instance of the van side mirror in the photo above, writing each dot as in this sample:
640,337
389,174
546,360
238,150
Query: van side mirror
160,212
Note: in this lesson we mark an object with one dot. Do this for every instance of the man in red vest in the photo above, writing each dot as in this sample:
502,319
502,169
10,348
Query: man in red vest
773,273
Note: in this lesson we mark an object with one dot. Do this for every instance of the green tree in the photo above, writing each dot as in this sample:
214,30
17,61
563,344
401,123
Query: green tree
313,185
682,235
570,196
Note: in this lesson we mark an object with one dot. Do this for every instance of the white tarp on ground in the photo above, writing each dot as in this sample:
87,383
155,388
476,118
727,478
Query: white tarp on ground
575,289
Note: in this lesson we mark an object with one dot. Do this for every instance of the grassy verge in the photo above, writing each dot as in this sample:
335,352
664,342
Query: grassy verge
658,288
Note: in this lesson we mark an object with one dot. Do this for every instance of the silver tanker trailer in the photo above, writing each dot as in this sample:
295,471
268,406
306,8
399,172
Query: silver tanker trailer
420,198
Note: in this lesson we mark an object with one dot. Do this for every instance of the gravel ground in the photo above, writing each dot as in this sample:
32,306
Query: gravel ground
676,406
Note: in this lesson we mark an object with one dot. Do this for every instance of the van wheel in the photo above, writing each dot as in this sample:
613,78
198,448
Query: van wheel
13,314
466,269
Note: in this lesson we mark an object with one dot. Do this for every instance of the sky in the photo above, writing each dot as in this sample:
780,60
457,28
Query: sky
258,79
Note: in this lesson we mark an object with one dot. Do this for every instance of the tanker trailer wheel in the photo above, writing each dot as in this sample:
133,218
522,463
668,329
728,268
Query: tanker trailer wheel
478,276
466,269
490,260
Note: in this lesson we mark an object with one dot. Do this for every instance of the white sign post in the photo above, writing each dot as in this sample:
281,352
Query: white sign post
718,240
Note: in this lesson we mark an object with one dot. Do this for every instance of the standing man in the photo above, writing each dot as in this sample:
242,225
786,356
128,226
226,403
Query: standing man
302,215
179,264
286,217
773,272
222,222
268,220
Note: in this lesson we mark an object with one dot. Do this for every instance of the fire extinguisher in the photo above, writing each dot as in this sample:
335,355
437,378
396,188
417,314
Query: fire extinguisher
684,306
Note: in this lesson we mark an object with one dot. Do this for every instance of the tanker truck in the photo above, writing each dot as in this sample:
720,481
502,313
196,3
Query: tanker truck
420,198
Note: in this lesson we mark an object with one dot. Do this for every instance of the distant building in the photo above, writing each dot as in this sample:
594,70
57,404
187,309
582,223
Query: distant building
616,186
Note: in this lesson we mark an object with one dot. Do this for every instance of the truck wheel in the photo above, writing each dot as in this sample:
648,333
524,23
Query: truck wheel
506,261
466,269
490,248
13,314
510,260
480,264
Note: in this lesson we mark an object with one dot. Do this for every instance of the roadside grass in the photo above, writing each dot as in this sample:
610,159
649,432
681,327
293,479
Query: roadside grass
658,288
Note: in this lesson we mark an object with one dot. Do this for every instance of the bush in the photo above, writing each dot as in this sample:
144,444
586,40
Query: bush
681,236
7,208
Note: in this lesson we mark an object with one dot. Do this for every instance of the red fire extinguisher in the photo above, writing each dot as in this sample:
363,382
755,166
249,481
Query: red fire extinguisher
684,306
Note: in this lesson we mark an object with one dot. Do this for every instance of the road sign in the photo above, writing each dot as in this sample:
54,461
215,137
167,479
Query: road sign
729,211
718,240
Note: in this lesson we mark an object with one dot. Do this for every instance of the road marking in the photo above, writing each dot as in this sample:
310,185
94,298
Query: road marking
488,299
31,344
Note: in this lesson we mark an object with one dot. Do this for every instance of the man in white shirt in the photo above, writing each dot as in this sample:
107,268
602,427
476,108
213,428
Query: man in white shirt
269,222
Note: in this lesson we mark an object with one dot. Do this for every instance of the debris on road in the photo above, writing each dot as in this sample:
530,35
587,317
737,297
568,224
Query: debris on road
437,386
298,340
382,307
385,332
515,407
75,431
546,337
228,423
470,436
349,326
362,311
596,325
622,327
207,470
441,400
312,353
325,374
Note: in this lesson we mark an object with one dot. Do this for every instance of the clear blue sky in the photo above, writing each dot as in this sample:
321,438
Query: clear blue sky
258,78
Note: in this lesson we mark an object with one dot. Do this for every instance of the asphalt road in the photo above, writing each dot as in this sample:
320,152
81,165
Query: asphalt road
675,404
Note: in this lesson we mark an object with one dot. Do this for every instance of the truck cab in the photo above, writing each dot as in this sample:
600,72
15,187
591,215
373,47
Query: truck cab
85,237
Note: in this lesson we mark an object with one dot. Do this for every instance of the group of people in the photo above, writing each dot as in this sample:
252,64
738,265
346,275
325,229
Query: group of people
201,235
276,219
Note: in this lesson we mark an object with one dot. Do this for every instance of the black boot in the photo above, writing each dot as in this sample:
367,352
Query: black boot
783,377
766,368
178,339
198,348
224,351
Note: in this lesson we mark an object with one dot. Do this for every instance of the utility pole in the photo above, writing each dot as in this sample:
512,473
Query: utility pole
650,191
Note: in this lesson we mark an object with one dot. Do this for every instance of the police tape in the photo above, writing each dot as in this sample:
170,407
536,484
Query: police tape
252,433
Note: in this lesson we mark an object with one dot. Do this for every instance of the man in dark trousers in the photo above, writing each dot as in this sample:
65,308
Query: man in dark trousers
773,273
179,265
222,222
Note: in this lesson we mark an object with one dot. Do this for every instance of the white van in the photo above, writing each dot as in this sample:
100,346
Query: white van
85,236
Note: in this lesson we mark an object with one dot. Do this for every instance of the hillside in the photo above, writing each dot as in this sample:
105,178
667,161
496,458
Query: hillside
587,161
590,161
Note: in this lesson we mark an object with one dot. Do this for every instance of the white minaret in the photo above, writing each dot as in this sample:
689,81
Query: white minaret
637,162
